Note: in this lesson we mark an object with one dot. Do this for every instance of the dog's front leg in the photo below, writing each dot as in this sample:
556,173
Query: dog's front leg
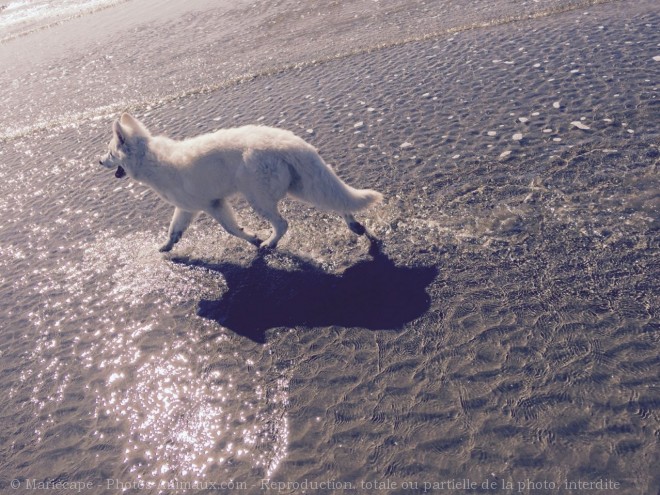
181,220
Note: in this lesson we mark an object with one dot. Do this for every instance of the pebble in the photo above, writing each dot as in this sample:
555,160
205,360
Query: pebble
580,125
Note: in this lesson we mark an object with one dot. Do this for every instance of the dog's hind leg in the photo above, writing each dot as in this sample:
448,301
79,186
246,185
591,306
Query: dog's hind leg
181,220
264,180
268,209
224,215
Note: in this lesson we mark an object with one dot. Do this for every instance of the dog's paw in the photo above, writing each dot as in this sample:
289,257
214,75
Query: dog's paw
267,245
167,247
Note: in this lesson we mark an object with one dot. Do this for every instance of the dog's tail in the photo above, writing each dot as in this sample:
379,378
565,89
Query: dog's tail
313,181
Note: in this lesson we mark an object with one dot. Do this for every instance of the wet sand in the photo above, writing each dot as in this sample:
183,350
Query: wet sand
503,329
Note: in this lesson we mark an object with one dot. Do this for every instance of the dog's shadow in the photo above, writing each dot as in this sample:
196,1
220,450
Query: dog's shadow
374,294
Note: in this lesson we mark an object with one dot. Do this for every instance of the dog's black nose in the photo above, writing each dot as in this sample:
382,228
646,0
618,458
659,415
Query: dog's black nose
100,162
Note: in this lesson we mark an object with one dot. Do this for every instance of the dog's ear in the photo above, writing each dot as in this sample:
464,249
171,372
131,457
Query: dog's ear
119,132
137,127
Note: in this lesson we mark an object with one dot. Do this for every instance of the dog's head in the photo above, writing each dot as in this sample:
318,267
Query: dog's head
127,147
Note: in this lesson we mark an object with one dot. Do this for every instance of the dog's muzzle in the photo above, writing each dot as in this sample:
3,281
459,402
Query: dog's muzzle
120,172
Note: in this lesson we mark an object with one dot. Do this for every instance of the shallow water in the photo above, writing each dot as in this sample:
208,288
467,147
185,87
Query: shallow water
504,329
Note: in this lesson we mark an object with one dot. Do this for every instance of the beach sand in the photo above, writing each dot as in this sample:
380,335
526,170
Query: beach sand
503,330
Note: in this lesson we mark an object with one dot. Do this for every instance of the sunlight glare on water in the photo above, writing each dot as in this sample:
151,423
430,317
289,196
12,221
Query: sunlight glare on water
23,15
184,409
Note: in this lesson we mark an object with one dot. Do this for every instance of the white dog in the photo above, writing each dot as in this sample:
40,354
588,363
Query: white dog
200,174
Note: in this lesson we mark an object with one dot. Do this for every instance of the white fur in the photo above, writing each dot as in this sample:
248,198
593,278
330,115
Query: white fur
201,173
